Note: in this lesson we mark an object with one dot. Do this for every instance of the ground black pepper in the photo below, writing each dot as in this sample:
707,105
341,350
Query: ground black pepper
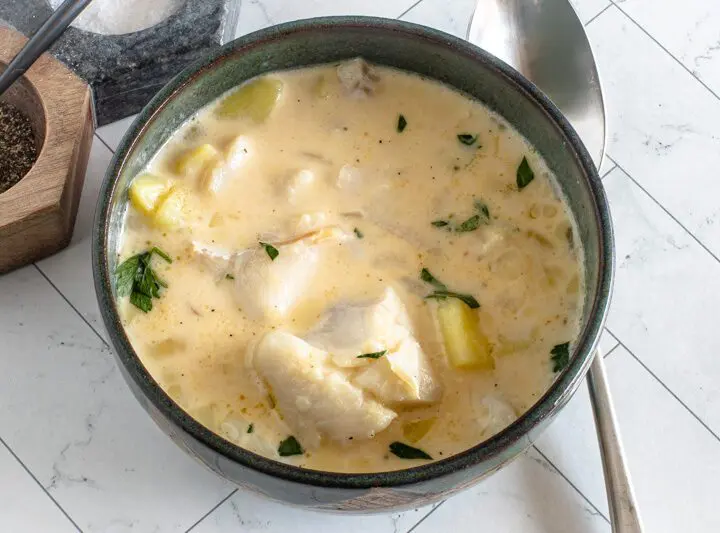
17,146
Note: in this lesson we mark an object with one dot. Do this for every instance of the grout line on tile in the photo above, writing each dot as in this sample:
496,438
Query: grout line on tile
562,475
661,382
104,143
424,517
203,517
71,305
39,484
608,171
668,213
401,15
701,82
611,350
603,10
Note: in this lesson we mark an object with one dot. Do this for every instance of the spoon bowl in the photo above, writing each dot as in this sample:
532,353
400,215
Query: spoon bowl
546,42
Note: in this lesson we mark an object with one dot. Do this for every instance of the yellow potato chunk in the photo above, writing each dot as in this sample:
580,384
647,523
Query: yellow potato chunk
416,430
146,191
254,100
466,345
170,212
193,161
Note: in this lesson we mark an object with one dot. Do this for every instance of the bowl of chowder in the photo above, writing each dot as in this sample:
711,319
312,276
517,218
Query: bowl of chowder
352,264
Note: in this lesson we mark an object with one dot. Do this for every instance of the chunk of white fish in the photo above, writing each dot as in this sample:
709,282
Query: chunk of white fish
357,77
214,258
270,289
401,376
349,330
315,398
492,414
299,184
237,155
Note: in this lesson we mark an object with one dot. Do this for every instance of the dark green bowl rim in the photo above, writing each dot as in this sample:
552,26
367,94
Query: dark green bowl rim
515,435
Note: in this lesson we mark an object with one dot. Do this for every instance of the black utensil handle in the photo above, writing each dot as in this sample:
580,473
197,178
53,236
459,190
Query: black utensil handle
43,39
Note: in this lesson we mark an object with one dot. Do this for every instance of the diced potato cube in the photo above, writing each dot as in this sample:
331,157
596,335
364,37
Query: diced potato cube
465,344
254,100
146,191
194,160
414,431
170,212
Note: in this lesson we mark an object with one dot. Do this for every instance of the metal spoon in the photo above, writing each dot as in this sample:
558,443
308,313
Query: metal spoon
546,42
44,37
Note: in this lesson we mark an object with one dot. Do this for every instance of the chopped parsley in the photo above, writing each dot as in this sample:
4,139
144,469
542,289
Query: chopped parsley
373,355
524,174
469,300
404,451
560,355
441,291
483,208
427,277
229,276
401,124
251,428
290,446
359,234
136,278
471,224
468,139
270,250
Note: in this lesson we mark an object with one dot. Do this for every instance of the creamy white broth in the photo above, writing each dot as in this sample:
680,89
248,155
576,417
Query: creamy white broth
329,158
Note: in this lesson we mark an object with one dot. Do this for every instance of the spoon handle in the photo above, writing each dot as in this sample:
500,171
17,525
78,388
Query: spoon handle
624,515
43,38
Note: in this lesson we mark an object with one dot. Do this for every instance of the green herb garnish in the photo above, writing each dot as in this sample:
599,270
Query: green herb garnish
441,291
483,208
468,139
251,428
290,446
229,276
136,278
432,280
271,250
471,224
403,451
359,234
524,174
560,355
401,124
373,355
469,300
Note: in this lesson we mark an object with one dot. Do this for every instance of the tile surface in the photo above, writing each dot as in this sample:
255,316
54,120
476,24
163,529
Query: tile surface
527,496
663,124
666,298
24,506
72,421
670,452
248,513
690,34
73,425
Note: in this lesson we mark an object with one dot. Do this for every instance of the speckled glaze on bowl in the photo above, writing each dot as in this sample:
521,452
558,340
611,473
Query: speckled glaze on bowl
409,47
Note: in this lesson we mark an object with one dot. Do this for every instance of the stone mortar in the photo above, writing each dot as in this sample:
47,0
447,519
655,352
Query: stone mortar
125,71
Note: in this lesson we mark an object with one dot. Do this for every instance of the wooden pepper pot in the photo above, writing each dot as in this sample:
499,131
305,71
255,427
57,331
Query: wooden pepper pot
37,214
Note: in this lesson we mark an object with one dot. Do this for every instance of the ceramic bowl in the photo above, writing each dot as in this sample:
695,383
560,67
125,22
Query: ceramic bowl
412,48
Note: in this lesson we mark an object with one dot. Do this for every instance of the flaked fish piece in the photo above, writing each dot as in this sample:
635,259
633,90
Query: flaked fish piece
315,398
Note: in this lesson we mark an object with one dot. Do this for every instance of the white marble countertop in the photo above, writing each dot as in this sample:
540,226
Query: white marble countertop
77,453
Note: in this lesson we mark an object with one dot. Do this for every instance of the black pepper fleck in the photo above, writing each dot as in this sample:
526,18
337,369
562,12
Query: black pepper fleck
17,146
